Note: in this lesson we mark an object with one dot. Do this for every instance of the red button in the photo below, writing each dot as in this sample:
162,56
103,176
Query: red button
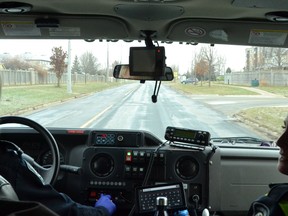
93,194
128,157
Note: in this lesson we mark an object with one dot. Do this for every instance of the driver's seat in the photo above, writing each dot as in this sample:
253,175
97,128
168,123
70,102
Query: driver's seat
10,204
6,190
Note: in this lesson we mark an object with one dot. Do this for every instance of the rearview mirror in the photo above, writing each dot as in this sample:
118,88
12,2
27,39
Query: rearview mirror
123,72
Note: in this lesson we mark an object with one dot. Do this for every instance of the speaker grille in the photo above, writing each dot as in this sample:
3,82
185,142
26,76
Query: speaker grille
102,165
187,168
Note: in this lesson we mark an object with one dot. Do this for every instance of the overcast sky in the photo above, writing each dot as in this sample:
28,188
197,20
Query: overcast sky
176,54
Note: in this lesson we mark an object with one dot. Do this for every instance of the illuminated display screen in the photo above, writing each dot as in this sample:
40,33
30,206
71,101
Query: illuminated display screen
147,197
144,61
105,139
185,134
147,61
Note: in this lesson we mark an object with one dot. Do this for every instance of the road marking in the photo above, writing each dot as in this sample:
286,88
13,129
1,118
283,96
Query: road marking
130,92
221,102
105,110
95,117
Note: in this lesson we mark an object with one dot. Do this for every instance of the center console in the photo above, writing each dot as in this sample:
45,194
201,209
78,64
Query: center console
119,168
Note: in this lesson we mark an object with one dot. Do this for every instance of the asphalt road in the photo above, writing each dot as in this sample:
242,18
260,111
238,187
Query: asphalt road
130,107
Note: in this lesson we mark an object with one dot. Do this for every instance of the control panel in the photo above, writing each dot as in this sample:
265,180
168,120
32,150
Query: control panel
120,171
117,138
187,135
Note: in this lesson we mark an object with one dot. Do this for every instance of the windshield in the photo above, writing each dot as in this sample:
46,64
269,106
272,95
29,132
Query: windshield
228,91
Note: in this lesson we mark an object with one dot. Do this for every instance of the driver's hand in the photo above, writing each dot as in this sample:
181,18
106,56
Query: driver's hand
106,202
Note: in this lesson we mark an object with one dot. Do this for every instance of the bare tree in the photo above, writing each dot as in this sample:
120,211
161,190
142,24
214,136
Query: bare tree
58,62
207,63
89,64
42,72
201,68
210,56
269,58
16,63
263,56
220,65
279,57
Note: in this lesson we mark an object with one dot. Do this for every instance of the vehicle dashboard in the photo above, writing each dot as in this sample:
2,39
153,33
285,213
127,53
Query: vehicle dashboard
115,162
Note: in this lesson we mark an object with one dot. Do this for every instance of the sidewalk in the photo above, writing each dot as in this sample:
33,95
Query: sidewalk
261,92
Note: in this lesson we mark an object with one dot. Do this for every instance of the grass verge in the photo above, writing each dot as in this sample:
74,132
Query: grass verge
267,120
18,99
216,89
279,90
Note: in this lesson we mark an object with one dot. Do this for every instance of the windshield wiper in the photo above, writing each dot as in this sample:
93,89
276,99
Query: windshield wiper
241,140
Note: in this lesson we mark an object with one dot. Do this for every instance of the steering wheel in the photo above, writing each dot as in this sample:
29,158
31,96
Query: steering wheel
50,174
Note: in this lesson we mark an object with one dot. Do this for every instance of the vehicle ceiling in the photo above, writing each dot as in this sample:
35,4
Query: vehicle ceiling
189,21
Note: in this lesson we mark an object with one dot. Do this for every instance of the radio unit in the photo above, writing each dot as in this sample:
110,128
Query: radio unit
187,136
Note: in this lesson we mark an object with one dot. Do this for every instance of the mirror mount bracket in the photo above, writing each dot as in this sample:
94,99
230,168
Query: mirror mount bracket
149,43
148,34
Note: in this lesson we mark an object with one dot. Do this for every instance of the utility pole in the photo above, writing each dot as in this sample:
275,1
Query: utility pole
0,87
69,80
107,69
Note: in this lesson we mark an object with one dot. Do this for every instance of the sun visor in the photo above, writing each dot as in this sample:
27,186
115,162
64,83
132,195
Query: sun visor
61,27
276,4
248,33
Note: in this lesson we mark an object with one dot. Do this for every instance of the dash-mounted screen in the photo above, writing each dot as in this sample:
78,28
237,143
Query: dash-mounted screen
189,134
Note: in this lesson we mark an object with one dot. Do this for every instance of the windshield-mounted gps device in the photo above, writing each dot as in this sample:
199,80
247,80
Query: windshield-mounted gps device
147,61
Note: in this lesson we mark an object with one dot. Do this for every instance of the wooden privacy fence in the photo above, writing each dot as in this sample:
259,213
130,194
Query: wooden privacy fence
264,78
23,77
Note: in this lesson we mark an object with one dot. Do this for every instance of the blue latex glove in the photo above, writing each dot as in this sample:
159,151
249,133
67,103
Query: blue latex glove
106,202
